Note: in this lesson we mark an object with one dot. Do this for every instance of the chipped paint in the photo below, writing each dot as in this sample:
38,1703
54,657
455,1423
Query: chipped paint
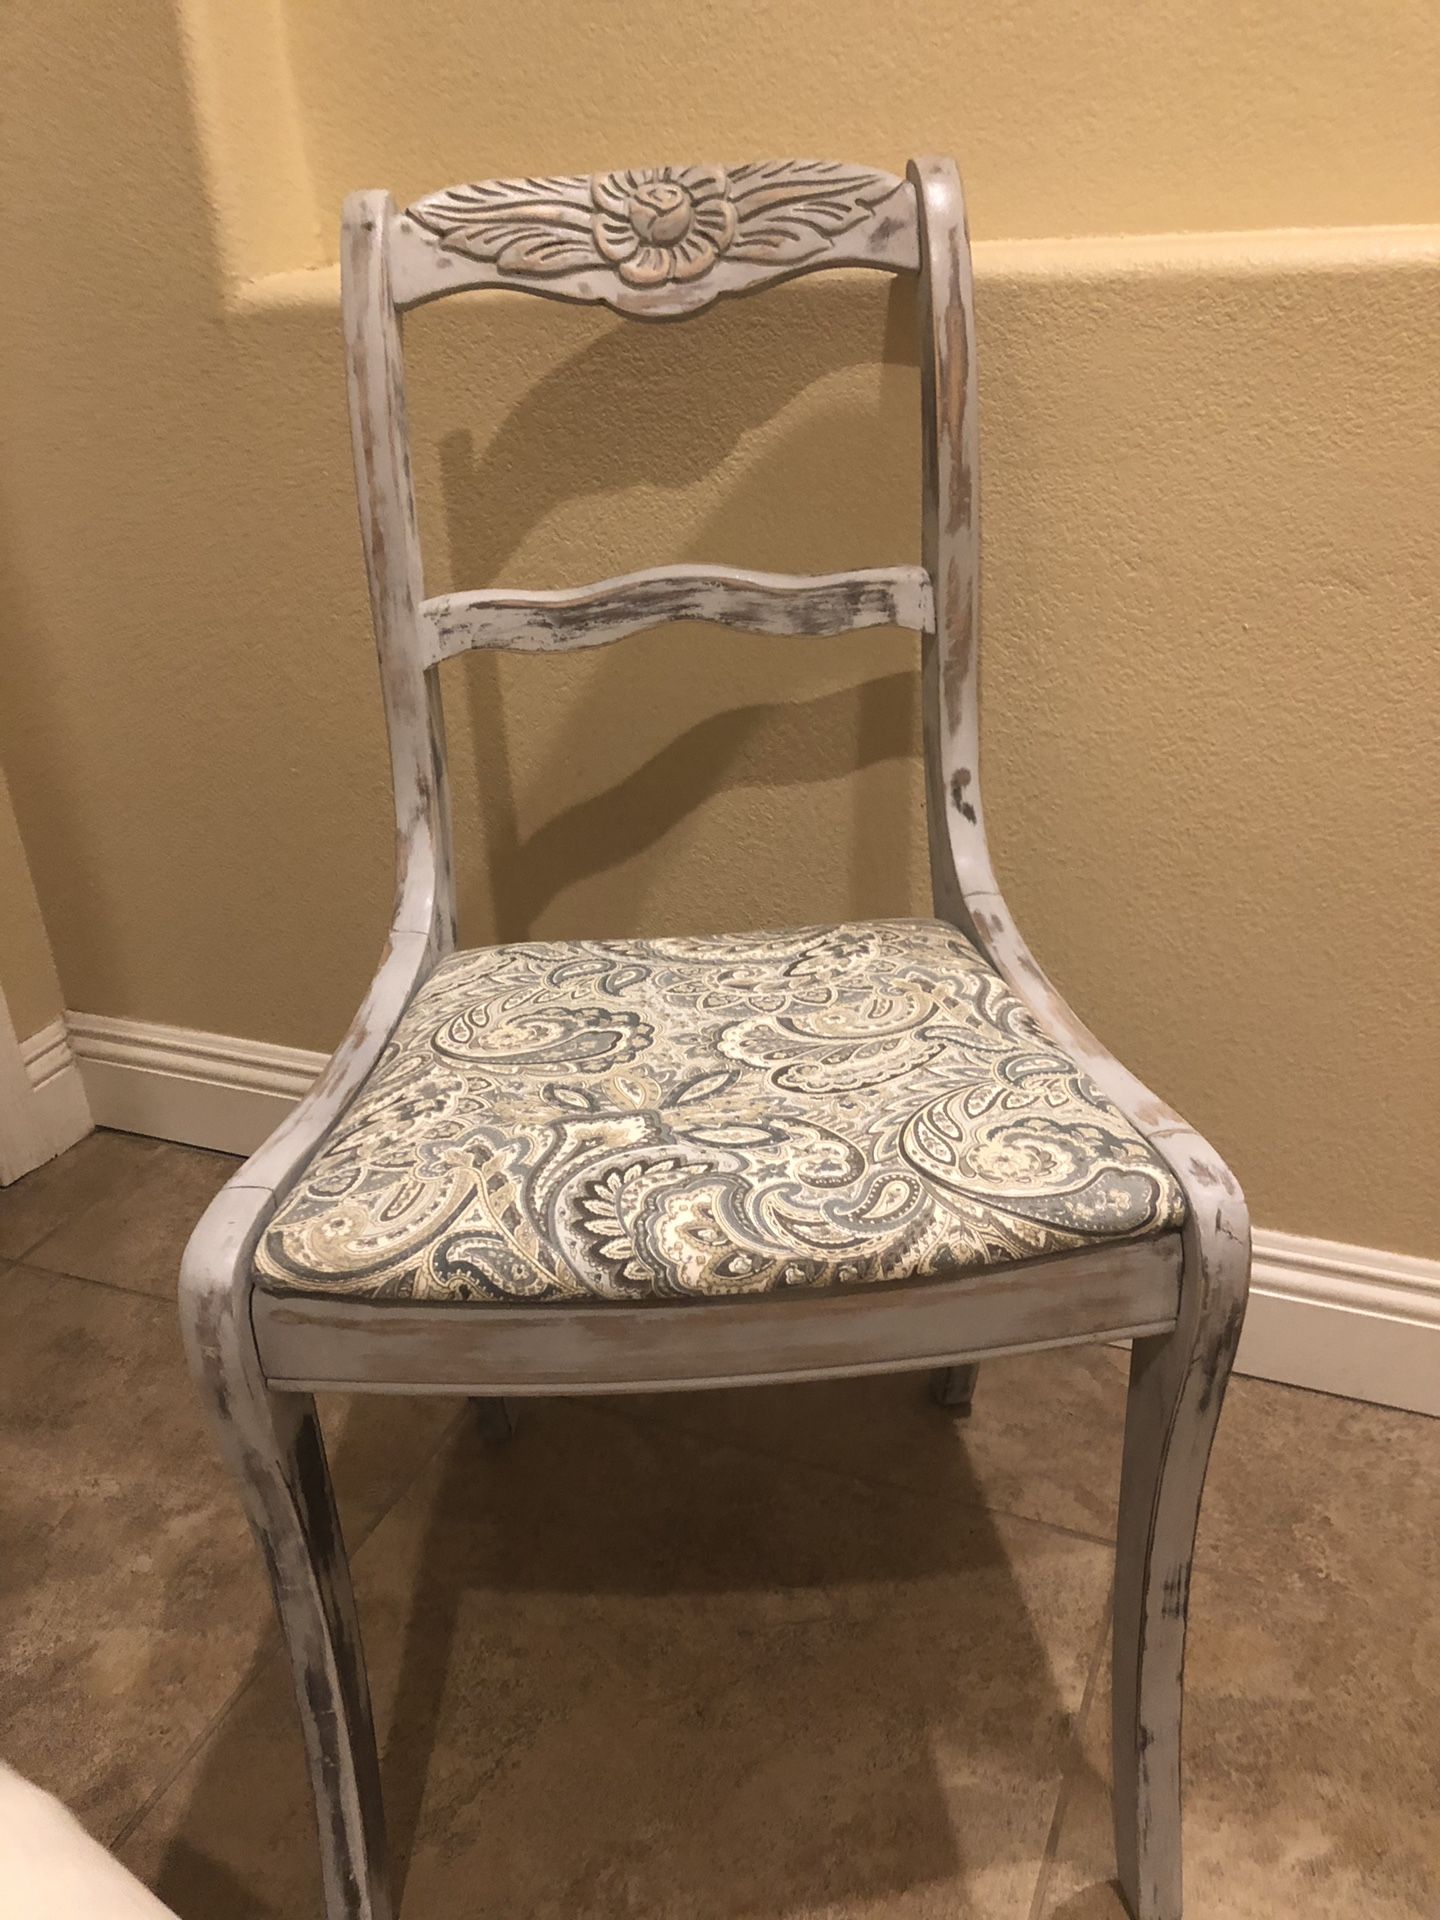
597,616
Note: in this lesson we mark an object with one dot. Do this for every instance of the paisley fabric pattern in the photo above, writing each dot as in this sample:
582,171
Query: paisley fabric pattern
703,1118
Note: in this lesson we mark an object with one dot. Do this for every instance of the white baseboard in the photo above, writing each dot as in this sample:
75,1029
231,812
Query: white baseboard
204,1089
60,1111
1347,1320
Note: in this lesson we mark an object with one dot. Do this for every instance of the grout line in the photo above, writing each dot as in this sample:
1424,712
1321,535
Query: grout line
369,1532
212,1726
151,1149
109,1286
271,1642
602,1404
1072,1755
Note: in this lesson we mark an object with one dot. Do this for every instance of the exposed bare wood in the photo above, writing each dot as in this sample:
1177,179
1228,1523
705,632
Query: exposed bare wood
776,603
656,242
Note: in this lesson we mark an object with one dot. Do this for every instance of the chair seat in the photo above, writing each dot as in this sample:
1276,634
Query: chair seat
682,1119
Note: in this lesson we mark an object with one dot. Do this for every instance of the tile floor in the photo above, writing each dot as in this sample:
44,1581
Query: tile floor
800,1652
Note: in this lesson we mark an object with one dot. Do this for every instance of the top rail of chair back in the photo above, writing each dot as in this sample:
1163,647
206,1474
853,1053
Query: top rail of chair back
653,242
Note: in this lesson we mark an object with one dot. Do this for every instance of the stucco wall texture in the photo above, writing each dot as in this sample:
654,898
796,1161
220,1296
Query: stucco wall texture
1211,483
27,965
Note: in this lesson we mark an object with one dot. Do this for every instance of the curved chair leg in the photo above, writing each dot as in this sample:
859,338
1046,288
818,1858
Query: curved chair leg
954,1387
1177,1382
275,1448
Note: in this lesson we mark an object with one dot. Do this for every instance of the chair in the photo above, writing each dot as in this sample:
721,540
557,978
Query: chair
599,1166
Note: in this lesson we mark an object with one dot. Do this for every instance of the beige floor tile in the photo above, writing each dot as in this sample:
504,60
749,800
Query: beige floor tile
619,1671
134,1230
134,1599
1043,1441
1312,1738
59,1192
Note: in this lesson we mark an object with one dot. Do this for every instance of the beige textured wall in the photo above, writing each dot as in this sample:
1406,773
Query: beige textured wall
1212,477
28,981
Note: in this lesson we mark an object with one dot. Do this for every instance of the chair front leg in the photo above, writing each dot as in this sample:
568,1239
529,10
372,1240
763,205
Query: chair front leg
274,1446
1177,1384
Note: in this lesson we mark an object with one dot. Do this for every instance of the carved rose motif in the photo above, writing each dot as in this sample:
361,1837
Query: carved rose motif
655,224
652,226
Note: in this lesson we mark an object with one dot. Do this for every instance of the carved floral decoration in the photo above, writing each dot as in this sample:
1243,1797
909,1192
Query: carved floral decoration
655,225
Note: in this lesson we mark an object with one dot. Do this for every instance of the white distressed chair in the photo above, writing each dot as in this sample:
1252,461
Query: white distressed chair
1013,1186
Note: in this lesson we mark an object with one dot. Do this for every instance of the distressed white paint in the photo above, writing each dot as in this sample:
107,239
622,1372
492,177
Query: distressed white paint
614,1348
782,604
1181,1359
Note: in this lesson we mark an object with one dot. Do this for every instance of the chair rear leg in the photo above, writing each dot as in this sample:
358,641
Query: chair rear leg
275,1448
496,1419
1177,1384
954,1387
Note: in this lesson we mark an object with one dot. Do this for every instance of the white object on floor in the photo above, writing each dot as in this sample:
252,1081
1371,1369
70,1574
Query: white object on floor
51,1869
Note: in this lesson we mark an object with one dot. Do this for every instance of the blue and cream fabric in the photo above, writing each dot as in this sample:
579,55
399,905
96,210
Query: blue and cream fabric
698,1119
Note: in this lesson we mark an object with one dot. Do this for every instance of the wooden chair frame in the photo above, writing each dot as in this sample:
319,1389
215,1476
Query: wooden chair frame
258,1357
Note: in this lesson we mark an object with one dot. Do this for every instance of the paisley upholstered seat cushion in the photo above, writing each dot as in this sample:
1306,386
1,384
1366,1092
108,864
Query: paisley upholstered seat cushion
694,1119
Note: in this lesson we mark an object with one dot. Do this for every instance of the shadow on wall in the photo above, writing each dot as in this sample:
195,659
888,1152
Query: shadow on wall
542,458
38,766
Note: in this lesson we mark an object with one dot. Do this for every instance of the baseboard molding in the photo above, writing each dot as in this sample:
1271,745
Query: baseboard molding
203,1089
59,1107
1346,1320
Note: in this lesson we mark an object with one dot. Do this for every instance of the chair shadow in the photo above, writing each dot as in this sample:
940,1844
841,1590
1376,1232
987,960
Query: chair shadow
1102,1900
538,460
549,450
496,1532
644,1673
765,746
788,1696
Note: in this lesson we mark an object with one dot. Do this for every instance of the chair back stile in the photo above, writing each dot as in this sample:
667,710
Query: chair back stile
664,244
385,492
950,546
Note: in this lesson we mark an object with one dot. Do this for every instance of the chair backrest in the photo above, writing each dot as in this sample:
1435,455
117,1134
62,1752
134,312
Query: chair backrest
662,244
